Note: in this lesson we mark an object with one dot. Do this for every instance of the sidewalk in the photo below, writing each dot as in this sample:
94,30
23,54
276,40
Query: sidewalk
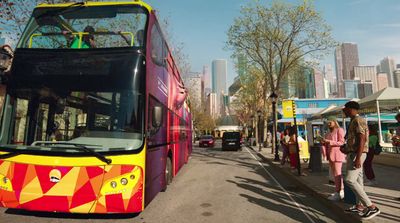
383,194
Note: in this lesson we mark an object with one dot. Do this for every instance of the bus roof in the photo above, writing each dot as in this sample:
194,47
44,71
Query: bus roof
135,2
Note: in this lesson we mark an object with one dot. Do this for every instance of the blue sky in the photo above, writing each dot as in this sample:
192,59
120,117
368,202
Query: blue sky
202,25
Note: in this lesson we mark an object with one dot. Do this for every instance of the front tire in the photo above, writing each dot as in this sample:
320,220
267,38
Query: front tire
168,171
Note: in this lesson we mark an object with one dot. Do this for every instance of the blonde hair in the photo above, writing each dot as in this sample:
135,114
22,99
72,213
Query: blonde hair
336,124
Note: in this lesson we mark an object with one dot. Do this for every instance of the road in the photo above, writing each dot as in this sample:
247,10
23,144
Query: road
215,186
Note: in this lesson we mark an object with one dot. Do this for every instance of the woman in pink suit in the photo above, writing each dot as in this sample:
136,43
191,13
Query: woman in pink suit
332,142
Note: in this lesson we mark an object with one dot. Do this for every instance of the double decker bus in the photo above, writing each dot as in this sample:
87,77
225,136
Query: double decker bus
95,118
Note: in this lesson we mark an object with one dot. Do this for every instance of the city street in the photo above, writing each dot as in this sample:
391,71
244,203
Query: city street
215,186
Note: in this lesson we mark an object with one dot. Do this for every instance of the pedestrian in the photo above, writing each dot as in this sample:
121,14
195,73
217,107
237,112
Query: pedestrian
292,148
333,140
356,148
396,138
373,143
285,146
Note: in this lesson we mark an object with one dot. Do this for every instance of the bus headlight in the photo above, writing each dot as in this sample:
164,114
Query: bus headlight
124,181
113,184
123,184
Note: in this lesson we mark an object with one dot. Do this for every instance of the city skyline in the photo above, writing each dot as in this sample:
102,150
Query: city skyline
375,31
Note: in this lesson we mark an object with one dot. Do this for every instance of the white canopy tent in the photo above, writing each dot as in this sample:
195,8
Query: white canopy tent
387,99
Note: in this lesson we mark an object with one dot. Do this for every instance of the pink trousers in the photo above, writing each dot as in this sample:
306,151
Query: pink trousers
337,173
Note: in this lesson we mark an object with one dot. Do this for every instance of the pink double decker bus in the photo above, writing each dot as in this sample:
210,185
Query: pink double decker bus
95,117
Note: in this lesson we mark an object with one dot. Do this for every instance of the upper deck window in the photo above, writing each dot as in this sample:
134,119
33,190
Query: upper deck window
82,27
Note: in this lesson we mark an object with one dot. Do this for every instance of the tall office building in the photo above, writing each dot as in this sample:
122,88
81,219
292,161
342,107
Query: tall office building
207,80
351,88
382,80
365,89
396,78
193,82
219,74
346,58
319,84
367,74
388,66
211,105
330,76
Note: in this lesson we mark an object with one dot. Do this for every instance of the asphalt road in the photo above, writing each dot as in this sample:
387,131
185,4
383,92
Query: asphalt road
215,186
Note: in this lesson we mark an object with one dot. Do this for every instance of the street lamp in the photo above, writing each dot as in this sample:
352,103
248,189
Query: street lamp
274,98
260,135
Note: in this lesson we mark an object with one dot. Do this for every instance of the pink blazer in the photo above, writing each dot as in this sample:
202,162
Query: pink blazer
334,140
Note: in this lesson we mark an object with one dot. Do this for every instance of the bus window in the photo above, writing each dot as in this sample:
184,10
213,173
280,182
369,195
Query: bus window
113,26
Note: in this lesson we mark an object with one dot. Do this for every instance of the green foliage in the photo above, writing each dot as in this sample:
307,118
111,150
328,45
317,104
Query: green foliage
278,36
15,14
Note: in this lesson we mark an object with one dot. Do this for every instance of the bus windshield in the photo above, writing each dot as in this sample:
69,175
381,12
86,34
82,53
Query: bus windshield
80,27
106,121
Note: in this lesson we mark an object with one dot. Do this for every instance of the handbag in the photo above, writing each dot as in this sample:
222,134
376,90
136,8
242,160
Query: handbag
378,149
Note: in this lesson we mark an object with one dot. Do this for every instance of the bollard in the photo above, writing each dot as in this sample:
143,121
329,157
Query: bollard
315,159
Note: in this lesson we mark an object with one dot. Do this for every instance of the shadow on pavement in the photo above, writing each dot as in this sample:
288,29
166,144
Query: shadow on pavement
276,200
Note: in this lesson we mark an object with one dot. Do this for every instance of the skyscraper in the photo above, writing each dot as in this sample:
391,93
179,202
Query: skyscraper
339,71
365,89
207,80
193,82
331,78
388,66
351,88
319,84
382,81
367,74
396,79
346,58
219,74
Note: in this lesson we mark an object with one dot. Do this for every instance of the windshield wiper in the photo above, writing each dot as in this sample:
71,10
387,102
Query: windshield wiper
74,6
10,154
82,147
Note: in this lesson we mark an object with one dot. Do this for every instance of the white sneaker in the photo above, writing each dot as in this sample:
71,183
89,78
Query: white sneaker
334,197
341,194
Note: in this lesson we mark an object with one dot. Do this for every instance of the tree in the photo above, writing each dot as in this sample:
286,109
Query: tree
277,37
15,15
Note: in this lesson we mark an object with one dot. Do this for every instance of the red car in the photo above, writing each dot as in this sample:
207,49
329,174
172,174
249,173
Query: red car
206,141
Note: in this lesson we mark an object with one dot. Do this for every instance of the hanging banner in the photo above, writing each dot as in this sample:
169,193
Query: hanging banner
287,108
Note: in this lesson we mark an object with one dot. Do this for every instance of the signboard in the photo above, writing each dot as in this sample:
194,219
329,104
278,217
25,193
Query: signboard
287,109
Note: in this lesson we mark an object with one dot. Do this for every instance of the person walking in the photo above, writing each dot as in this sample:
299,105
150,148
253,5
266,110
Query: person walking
356,149
285,146
373,143
333,140
292,148
396,138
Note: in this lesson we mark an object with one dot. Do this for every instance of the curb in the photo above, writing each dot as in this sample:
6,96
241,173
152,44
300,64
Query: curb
350,218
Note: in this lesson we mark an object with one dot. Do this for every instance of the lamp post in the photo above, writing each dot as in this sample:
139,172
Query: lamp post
274,98
260,135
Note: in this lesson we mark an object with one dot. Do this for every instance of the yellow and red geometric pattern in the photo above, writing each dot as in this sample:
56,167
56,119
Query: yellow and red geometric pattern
86,189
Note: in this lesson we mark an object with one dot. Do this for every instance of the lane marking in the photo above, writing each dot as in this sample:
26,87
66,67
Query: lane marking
281,187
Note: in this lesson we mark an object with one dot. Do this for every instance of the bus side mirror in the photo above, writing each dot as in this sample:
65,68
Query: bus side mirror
157,117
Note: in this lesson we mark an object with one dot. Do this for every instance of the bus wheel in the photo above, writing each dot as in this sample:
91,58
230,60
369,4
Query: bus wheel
168,171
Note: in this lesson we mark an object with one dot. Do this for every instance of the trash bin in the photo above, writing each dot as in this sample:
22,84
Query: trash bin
349,196
315,159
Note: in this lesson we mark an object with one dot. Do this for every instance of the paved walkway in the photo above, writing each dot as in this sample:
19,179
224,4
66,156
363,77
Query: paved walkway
384,194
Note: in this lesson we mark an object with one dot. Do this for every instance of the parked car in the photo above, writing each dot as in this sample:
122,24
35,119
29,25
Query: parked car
231,141
206,141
